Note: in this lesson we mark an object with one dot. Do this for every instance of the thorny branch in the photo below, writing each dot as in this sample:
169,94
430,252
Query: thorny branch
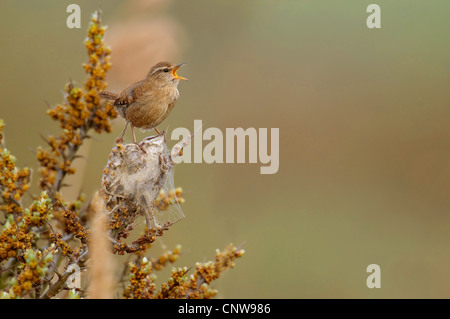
54,289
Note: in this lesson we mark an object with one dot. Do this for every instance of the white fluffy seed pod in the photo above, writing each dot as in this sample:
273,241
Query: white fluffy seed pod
132,179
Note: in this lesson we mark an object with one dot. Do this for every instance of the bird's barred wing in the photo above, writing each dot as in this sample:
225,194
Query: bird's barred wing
129,94
125,98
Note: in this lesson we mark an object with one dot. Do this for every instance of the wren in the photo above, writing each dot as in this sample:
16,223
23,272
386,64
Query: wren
145,104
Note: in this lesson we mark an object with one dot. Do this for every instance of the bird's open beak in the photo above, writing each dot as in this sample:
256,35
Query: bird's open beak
174,72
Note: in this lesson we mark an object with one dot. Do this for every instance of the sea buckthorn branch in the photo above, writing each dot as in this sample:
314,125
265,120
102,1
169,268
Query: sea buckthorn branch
179,285
31,274
60,284
207,272
140,244
16,235
80,113
142,281
14,182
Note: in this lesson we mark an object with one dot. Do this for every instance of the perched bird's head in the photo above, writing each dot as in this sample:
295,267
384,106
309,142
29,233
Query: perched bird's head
165,73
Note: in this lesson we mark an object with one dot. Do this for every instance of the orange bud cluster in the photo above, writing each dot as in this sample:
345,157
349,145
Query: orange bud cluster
14,182
176,287
17,234
35,267
140,244
142,282
164,199
208,272
168,256
179,284
73,226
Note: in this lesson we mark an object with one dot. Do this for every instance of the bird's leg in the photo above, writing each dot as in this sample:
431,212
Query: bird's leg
157,131
134,139
134,135
120,139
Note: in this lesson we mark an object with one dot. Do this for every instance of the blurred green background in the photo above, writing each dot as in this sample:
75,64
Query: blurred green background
364,122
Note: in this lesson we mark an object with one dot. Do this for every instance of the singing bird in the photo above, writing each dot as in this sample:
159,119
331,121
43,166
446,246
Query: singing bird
145,104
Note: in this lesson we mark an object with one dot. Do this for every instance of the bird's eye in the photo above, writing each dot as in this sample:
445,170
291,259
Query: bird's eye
166,70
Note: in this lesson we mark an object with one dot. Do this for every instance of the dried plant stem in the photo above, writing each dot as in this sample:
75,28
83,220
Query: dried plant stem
101,262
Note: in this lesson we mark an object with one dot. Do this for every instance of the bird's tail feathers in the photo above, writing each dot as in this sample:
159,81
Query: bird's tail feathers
108,95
